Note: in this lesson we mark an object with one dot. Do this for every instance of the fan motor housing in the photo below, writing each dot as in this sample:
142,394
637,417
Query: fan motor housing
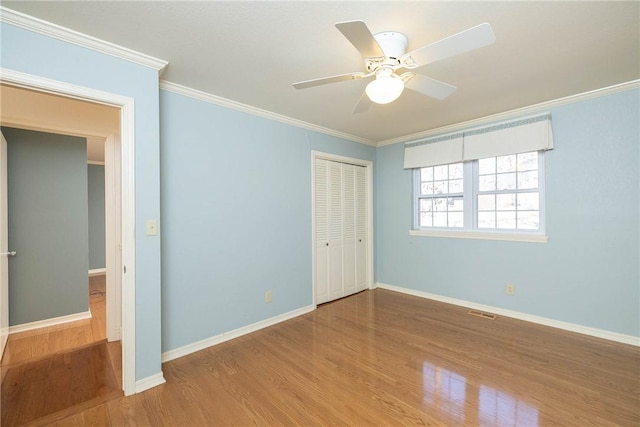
393,44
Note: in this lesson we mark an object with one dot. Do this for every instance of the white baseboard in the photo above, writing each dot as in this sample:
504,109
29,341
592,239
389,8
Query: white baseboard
49,322
97,272
150,382
586,330
226,336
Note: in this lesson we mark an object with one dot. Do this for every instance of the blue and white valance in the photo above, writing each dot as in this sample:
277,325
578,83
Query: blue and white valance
517,136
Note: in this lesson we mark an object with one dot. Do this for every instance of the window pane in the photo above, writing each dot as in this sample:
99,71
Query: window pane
456,186
487,183
455,171
426,219
506,219
440,172
506,163
486,220
528,161
426,188
456,219
440,219
426,174
506,181
487,166
456,204
486,202
527,180
506,202
528,220
426,205
528,201
440,187
440,205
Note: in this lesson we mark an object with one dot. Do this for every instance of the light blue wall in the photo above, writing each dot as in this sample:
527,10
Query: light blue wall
47,201
44,56
236,208
97,234
587,274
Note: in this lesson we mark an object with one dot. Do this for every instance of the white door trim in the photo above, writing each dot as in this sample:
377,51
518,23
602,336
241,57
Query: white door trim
126,105
368,164
4,249
113,232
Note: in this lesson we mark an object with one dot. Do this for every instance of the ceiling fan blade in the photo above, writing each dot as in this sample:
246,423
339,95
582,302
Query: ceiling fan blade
473,38
361,38
326,80
364,104
427,86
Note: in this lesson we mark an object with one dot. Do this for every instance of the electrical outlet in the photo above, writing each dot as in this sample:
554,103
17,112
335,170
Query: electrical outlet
267,296
510,289
152,227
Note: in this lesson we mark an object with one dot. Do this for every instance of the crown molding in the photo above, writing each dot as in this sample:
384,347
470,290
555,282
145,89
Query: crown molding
507,115
40,26
223,102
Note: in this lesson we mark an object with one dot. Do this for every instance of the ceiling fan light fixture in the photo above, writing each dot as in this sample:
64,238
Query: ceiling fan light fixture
385,88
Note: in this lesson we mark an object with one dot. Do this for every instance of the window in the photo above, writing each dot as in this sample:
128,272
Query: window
482,183
441,198
494,194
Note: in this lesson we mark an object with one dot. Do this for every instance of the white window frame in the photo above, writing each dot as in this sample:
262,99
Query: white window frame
470,193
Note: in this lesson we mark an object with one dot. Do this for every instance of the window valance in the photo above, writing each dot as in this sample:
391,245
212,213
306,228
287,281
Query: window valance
517,136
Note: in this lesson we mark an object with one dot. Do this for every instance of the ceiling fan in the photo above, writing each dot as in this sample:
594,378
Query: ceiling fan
385,58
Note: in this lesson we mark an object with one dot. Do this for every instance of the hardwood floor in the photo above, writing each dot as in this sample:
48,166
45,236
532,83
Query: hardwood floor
384,358
49,373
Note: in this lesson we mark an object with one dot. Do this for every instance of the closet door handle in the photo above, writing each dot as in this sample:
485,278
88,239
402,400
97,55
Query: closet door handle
327,243
10,253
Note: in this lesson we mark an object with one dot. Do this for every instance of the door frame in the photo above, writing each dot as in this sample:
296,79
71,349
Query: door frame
368,165
127,155
113,238
4,267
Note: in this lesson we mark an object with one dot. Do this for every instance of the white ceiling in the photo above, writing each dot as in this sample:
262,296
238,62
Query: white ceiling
251,53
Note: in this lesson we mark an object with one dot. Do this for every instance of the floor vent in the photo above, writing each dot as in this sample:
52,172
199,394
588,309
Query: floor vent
483,315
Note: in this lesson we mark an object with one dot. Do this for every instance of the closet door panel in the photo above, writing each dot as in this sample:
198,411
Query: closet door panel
361,221
321,196
336,289
349,229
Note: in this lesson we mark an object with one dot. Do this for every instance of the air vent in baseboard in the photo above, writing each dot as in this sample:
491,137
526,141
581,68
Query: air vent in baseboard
482,314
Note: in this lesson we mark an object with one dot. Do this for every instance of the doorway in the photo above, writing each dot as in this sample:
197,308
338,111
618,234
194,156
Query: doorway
124,150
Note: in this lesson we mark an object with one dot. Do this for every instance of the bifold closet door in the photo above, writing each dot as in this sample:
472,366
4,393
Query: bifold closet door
340,229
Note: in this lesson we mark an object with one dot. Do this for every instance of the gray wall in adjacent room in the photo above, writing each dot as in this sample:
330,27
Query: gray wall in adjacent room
48,225
96,217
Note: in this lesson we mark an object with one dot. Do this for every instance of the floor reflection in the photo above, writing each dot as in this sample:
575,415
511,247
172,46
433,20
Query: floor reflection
445,390
497,408
449,392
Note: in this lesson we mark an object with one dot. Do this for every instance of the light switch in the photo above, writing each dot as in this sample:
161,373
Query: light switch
152,227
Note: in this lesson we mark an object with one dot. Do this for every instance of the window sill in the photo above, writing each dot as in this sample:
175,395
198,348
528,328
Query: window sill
511,237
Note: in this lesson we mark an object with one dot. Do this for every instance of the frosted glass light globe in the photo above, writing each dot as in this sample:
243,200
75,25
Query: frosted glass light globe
384,89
